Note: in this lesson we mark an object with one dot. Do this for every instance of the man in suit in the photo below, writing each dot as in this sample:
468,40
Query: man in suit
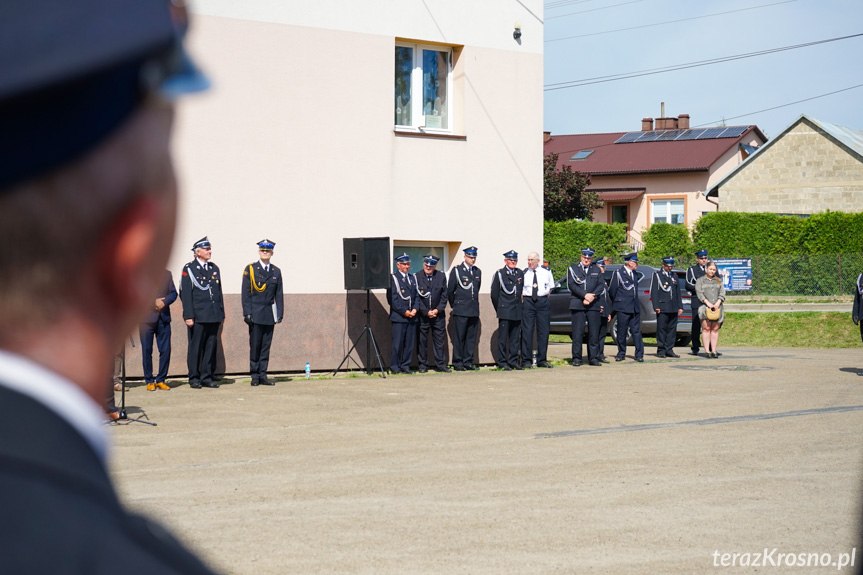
403,299
536,312
605,309
463,295
692,274
431,288
506,291
585,283
623,292
263,307
204,312
857,308
158,323
82,126
668,305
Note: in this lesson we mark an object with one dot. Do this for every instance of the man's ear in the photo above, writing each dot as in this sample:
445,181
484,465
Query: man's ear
132,257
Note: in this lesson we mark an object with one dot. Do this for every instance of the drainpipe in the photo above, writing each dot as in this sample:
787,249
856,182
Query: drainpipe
706,197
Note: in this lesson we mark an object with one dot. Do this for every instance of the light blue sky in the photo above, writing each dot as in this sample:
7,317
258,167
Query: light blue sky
706,93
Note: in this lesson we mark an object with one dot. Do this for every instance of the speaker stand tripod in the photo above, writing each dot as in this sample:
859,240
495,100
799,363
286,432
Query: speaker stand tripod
123,415
370,342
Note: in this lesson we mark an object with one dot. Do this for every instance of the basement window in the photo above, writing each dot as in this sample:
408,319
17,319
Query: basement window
581,155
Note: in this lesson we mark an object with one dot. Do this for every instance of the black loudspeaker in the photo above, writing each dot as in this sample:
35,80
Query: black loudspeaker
367,263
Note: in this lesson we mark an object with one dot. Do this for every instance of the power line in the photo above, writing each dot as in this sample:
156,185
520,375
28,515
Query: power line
561,3
669,21
783,105
547,18
675,67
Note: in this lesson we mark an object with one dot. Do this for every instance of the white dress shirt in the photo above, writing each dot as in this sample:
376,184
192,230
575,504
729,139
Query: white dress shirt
544,280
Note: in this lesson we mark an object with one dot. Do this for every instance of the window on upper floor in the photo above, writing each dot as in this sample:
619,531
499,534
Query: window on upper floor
667,211
581,155
423,87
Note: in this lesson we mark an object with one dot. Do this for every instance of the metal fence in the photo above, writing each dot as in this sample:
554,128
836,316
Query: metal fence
785,275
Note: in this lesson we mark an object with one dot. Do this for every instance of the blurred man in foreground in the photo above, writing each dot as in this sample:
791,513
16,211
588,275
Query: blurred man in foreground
87,178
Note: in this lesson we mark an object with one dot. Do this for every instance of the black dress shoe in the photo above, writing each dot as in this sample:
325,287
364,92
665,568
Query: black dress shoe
660,355
603,360
443,369
506,368
639,359
210,384
544,364
576,363
595,363
693,352
718,353
255,383
460,368
408,372
473,368
519,367
672,354
423,369
618,358
196,385
395,372
266,381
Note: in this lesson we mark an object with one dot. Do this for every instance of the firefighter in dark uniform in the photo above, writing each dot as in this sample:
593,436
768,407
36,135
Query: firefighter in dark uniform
403,299
668,305
623,292
605,310
204,311
431,287
857,309
585,283
463,295
692,275
506,289
263,307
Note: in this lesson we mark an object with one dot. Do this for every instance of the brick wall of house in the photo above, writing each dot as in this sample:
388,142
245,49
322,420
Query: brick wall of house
803,172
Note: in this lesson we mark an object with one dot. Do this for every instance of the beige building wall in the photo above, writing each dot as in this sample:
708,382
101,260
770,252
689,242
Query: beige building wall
295,143
803,172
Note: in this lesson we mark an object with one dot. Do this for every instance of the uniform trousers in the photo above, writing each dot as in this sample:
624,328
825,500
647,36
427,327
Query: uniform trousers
696,330
161,329
508,337
404,339
437,326
629,322
579,317
260,339
666,332
464,343
603,333
201,358
535,313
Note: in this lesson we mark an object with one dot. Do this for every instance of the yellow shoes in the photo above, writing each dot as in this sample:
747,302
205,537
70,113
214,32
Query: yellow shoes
151,387
161,385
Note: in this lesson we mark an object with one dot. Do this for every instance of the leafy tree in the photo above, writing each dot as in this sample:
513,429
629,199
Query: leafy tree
566,197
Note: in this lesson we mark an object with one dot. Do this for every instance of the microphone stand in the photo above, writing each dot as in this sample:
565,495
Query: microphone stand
123,414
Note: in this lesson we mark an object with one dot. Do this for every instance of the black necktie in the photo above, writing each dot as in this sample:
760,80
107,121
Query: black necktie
534,296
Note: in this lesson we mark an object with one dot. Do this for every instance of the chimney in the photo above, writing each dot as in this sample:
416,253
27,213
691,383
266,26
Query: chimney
646,124
683,122
546,136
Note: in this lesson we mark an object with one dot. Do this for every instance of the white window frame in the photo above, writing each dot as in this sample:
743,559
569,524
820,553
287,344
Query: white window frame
417,266
418,119
667,202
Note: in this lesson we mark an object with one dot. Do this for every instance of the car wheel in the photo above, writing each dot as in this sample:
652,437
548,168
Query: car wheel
682,340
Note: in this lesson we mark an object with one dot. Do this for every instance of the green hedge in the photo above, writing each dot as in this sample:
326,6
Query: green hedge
662,240
563,241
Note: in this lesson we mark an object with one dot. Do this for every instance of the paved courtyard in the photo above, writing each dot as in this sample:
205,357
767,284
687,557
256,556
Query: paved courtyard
660,467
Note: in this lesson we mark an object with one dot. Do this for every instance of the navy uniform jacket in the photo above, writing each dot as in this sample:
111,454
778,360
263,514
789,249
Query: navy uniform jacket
432,295
202,302
259,304
581,283
60,512
692,275
623,292
402,296
665,292
506,289
167,291
857,309
463,291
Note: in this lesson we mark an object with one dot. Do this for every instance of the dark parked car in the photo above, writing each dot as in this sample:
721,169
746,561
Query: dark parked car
561,317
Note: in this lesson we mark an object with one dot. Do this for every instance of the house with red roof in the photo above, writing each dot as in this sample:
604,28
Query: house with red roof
656,174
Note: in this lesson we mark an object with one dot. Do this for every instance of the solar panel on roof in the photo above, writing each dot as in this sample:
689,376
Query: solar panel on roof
648,136
681,135
668,135
688,134
628,137
733,131
710,133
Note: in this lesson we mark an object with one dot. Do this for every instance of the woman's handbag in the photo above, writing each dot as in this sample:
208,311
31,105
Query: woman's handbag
713,313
